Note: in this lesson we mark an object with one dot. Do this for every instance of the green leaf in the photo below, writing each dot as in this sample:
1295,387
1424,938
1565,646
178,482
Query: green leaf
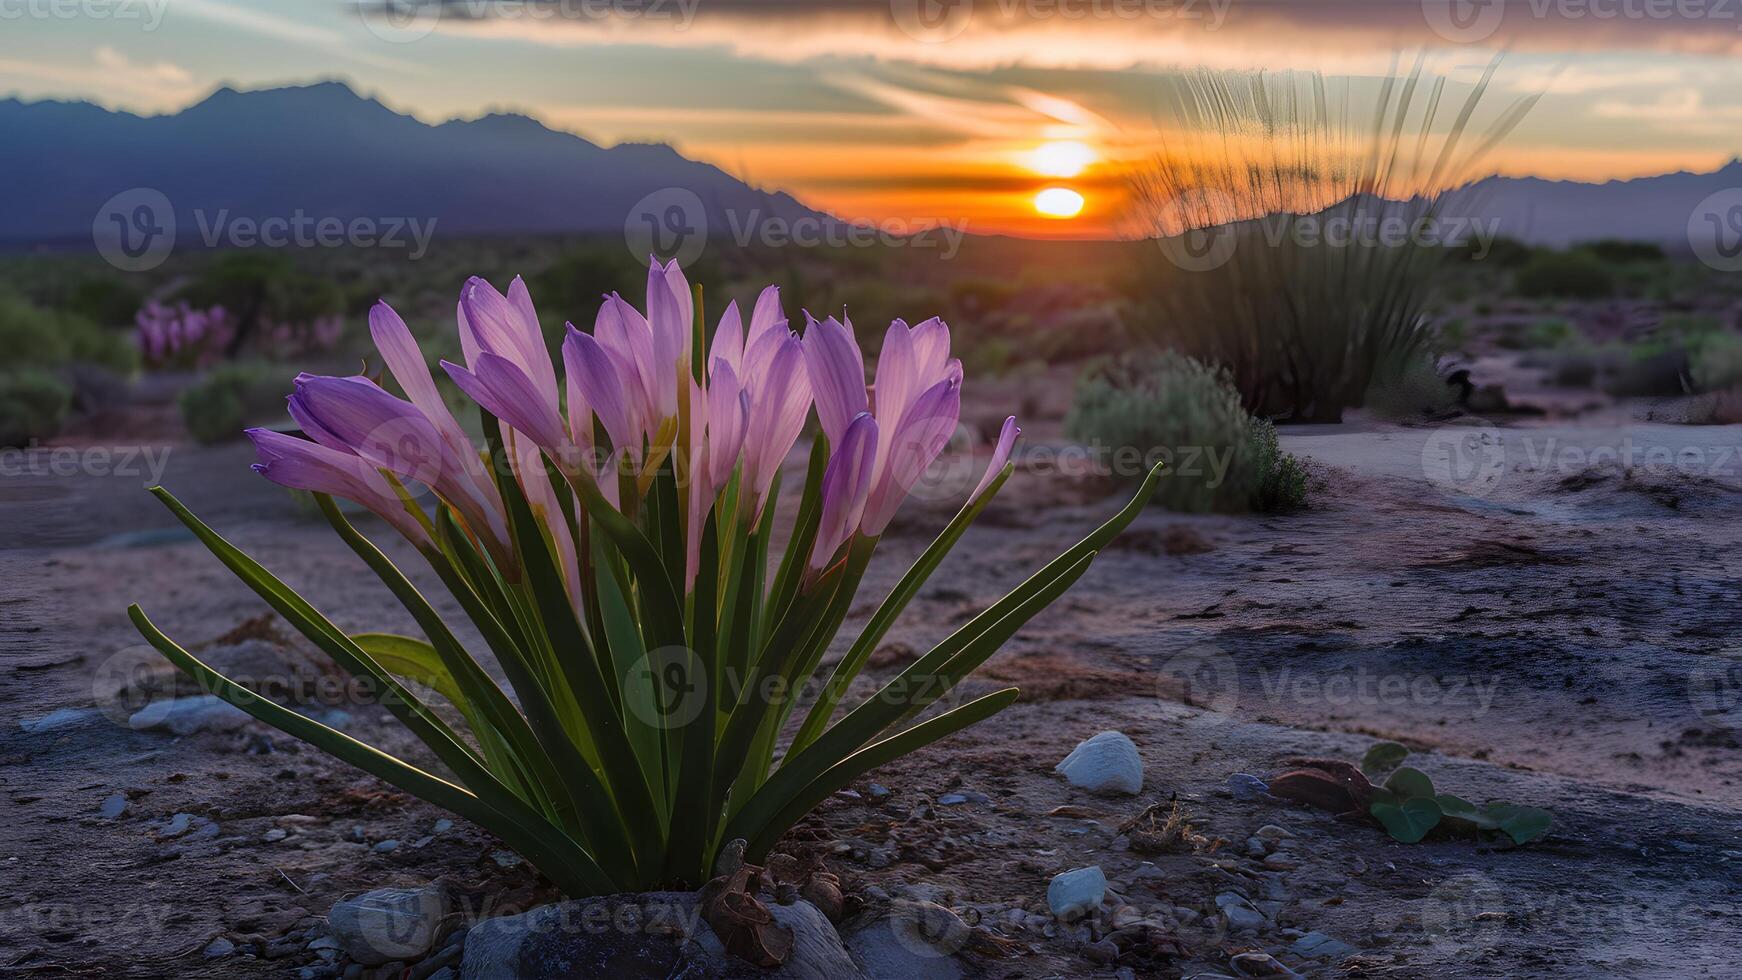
1409,822
1521,823
894,747
1469,818
504,815
1411,783
1381,759
848,669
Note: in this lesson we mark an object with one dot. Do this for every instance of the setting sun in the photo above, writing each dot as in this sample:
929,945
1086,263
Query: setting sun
1058,202
1061,158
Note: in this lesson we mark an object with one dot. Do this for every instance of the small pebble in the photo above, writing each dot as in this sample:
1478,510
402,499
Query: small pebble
274,835
113,807
386,847
219,948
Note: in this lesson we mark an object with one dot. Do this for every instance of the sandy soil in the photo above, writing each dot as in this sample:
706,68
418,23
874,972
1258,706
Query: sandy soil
1544,630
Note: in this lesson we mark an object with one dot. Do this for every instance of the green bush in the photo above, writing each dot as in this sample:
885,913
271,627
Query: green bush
1175,408
31,336
33,405
1717,363
218,406
1564,275
1411,388
1621,251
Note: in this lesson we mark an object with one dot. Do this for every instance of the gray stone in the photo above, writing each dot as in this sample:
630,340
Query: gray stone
185,716
1317,944
177,826
112,807
1271,832
274,835
386,847
388,924
218,948
1076,892
1247,787
659,934
897,947
58,719
1107,763
1242,918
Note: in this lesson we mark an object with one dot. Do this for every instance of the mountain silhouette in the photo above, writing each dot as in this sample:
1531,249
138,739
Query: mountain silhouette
322,150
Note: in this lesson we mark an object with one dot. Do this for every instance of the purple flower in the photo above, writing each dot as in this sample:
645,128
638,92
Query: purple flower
1000,456
303,465
846,484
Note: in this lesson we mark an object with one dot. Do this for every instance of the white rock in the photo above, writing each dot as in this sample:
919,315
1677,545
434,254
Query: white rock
388,924
184,716
1107,763
1076,892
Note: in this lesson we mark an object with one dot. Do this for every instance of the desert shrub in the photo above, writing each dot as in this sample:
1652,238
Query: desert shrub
1620,251
218,406
33,336
1411,388
275,308
1270,164
33,405
1282,477
1175,408
1716,364
1649,371
1502,252
1564,275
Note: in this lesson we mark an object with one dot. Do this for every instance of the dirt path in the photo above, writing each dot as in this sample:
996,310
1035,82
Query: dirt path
1541,640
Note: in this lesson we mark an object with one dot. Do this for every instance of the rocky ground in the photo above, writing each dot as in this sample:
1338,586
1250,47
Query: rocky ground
1543,625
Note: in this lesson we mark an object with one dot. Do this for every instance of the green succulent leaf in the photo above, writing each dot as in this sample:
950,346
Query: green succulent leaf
1411,783
1521,823
1409,822
1381,759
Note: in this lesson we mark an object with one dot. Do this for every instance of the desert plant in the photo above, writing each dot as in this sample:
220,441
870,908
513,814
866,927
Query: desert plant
1411,388
1564,275
614,557
48,338
1290,219
1717,363
1187,413
33,405
218,405
1405,804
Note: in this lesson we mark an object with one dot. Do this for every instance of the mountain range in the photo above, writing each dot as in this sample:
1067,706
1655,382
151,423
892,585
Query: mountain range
325,151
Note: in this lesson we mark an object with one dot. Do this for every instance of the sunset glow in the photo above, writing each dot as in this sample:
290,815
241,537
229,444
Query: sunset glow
1059,202
1062,158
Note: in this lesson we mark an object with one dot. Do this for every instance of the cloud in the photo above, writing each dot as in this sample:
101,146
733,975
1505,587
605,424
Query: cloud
158,86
